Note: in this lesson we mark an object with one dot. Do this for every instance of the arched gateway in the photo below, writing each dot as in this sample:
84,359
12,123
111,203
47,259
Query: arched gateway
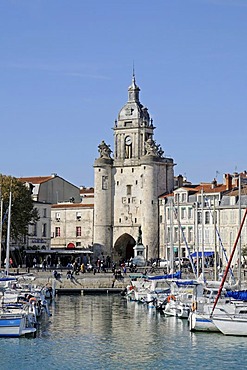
123,248
128,181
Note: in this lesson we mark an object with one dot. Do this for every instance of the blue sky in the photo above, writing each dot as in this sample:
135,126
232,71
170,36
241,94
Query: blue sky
65,68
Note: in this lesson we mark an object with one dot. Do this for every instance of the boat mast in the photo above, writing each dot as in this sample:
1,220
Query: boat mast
8,235
1,225
229,263
203,262
239,243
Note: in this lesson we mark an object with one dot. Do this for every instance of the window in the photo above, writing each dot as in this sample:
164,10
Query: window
183,197
78,244
78,216
160,219
34,229
120,220
78,230
57,216
199,217
190,234
175,235
133,169
104,182
128,189
214,217
44,230
135,220
207,217
57,231
44,212
183,213
190,213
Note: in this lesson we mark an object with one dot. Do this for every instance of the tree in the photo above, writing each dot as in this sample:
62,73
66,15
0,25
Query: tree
22,208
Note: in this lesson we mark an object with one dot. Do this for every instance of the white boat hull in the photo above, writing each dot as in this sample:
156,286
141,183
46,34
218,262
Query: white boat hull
201,322
231,325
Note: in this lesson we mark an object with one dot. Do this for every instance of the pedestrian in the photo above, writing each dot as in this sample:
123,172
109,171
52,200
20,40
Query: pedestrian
44,265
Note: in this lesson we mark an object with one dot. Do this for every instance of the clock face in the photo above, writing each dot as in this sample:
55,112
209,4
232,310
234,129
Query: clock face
128,140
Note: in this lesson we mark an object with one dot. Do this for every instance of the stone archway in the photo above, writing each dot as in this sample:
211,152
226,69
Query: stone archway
123,248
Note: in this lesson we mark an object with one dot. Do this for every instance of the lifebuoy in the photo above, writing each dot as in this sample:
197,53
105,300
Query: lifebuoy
194,306
32,299
171,297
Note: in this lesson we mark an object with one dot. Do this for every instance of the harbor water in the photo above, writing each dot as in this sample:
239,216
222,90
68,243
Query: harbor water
108,332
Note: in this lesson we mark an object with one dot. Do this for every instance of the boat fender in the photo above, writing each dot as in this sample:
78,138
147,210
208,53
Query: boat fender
171,297
194,306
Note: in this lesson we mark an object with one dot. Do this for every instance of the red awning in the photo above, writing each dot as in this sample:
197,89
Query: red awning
71,246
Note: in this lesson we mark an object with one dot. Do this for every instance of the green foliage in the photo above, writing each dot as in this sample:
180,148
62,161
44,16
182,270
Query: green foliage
22,208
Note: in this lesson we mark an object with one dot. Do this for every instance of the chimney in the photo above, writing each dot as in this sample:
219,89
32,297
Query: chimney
214,184
228,179
180,181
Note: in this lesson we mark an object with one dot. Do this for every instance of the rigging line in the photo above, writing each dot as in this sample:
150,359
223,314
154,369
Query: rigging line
220,240
184,238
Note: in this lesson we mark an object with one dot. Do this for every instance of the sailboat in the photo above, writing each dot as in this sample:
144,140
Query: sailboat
231,324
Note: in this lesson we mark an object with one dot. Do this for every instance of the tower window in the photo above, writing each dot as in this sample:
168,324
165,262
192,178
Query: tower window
78,230
120,220
104,182
121,170
57,231
117,183
133,169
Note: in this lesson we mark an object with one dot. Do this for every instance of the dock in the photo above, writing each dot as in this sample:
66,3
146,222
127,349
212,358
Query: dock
87,291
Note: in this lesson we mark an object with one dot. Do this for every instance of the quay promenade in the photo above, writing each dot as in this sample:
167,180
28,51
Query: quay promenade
99,280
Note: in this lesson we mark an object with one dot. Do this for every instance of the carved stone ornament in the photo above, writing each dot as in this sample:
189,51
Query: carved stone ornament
104,150
153,149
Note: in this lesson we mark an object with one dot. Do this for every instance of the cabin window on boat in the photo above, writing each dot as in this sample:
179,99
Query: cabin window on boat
78,230
57,231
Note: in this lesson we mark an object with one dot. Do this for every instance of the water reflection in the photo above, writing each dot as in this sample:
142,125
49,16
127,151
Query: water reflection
108,332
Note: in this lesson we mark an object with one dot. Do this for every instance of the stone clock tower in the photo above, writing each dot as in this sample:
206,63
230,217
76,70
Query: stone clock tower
129,182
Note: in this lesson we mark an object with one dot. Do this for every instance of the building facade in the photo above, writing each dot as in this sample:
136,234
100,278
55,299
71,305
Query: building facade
203,218
128,183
